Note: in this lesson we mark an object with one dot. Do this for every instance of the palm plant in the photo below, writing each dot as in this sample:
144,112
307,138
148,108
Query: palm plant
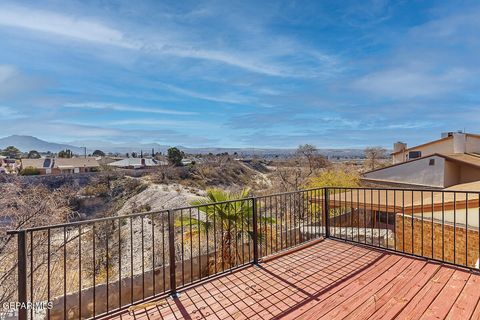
229,215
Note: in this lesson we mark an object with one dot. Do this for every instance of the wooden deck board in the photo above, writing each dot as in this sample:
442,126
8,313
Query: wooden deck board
368,292
400,299
444,301
330,279
393,289
463,308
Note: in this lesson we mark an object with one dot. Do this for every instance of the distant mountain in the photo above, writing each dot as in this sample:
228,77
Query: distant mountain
27,143
105,146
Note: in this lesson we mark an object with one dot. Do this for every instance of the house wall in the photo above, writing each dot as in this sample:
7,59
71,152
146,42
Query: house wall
399,157
469,174
473,144
449,243
413,172
452,173
443,146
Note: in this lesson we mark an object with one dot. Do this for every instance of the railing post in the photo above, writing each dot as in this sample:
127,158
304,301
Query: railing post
171,249
255,230
326,212
22,275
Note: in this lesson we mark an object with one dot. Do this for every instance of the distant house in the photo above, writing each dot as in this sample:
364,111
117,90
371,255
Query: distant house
7,165
186,162
62,165
107,159
137,163
454,159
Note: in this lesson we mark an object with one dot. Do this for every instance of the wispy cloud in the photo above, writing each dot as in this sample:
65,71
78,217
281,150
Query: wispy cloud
226,98
157,122
12,81
50,130
62,25
126,108
412,83
8,113
330,74
171,42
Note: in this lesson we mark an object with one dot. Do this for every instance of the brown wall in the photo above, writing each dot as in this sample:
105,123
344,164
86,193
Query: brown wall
454,240
452,173
469,174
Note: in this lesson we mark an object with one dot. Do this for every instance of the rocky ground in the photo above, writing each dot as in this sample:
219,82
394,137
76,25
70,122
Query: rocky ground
158,197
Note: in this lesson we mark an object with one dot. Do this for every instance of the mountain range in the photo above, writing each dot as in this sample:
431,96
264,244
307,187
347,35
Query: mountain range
27,143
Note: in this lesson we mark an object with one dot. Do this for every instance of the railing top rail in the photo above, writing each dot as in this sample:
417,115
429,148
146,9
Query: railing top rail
135,215
149,213
290,192
406,189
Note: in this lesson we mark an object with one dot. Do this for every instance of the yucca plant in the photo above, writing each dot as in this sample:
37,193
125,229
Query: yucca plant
232,219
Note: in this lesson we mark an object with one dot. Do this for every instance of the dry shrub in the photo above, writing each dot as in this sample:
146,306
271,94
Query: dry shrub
26,206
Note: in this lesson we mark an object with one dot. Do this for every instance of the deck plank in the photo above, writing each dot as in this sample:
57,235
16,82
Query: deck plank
401,298
476,312
444,301
405,279
367,292
321,307
421,301
465,304
331,279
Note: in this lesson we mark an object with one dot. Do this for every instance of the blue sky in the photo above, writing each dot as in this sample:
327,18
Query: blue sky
240,73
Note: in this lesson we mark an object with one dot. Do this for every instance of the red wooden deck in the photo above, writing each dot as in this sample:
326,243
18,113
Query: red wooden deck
328,280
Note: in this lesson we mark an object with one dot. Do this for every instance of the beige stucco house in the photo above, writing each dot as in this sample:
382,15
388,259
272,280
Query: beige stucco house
62,165
454,159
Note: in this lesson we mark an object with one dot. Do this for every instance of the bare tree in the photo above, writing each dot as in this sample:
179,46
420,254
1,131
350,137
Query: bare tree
374,156
294,173
25,206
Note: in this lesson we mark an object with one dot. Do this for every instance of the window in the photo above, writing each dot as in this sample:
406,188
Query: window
431,162
414,154
385,217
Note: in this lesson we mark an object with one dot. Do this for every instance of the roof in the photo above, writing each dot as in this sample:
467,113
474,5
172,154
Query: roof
469,186
136,162
436,141
46,163
463,158
425,144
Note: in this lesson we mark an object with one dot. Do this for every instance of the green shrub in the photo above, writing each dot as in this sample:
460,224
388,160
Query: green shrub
30,171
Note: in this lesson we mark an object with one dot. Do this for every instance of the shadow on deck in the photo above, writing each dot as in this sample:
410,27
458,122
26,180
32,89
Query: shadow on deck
328,280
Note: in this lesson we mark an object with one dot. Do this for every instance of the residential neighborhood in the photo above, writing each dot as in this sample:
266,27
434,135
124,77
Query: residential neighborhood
61,165
452,160
240,160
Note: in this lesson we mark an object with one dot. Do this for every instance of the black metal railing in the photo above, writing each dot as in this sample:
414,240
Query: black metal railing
89,269
441,225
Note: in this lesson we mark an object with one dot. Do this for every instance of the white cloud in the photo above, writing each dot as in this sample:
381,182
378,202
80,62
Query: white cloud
63,25
243,62
9,113
407,83
169,41
226,98
157,122
14,82
6,73
127,108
